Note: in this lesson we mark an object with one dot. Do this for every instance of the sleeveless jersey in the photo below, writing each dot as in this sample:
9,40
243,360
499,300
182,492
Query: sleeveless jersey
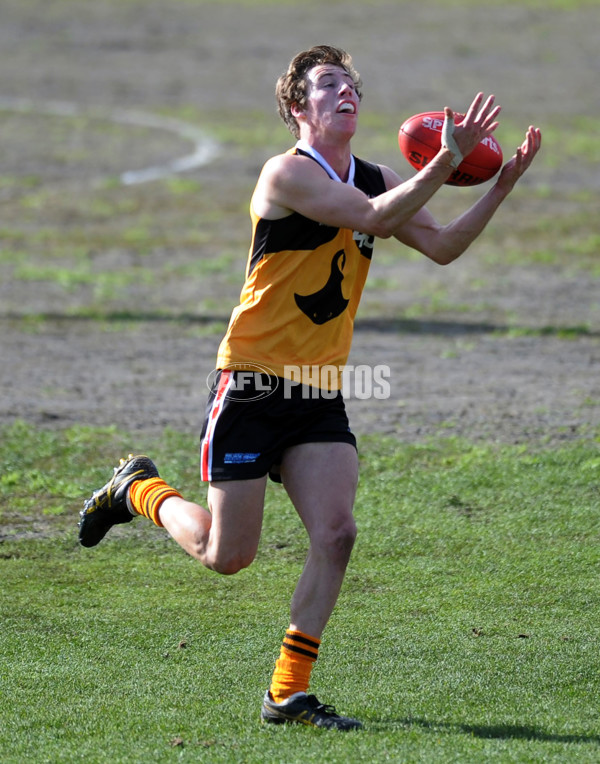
304,281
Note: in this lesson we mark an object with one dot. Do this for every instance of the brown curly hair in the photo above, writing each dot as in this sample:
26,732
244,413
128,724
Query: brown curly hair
292,85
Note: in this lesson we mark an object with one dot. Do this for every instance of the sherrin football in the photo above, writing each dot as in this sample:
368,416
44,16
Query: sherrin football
420,139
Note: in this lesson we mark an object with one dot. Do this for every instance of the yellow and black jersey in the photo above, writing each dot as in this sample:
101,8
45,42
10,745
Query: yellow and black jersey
303,285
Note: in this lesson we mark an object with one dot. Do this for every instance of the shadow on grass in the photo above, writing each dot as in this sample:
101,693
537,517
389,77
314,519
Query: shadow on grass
382,325
493,731
449,328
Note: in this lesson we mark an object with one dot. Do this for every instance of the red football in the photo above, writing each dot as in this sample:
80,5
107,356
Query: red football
420,138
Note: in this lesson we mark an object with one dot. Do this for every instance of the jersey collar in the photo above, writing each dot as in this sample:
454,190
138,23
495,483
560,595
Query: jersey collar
308,149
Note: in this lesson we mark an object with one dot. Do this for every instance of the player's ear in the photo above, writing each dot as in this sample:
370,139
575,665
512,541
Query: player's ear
296,110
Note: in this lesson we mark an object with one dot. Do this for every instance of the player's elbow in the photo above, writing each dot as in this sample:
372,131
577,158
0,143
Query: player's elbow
379,227
385,232
444,255
447,245
377,222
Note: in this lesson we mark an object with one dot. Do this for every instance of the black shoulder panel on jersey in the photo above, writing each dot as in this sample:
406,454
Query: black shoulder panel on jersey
293,232
368,178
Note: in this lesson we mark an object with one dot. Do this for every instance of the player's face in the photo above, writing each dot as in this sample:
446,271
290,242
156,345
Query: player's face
332,101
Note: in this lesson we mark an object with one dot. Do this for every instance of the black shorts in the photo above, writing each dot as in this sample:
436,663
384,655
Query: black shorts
252,419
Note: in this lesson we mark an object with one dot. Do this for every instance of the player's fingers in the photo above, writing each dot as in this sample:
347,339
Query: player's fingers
473,108
530,141
485,109
519,155
489,120
530,144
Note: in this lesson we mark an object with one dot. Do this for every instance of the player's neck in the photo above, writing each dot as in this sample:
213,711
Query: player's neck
337,155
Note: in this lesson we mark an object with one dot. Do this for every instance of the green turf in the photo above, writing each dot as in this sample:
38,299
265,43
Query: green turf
466,629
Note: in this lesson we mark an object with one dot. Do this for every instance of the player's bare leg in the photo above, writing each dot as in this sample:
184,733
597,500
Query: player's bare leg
224,539
321,480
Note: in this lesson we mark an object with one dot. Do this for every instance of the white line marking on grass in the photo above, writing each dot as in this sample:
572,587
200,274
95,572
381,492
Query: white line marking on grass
205,148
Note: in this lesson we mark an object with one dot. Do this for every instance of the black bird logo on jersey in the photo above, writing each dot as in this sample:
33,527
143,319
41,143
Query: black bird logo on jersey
329,302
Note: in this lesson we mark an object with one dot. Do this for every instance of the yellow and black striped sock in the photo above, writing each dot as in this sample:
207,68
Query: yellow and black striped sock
298,654
146,496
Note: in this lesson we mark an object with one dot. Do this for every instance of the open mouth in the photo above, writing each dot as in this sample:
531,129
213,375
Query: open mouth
347,108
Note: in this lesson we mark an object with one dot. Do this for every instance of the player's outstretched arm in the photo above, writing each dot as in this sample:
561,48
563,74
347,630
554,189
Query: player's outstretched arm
444,243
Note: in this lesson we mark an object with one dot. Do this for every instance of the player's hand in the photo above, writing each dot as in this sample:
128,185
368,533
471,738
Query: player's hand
479,122
521,161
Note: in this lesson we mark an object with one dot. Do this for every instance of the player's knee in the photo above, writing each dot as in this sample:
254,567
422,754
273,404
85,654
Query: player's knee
347,536
227,563
338,540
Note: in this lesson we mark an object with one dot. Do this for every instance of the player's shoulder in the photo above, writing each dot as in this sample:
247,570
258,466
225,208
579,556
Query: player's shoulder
283,177
290,170
289,159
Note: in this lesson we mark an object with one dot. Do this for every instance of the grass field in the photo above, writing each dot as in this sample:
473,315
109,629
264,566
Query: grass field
467,628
